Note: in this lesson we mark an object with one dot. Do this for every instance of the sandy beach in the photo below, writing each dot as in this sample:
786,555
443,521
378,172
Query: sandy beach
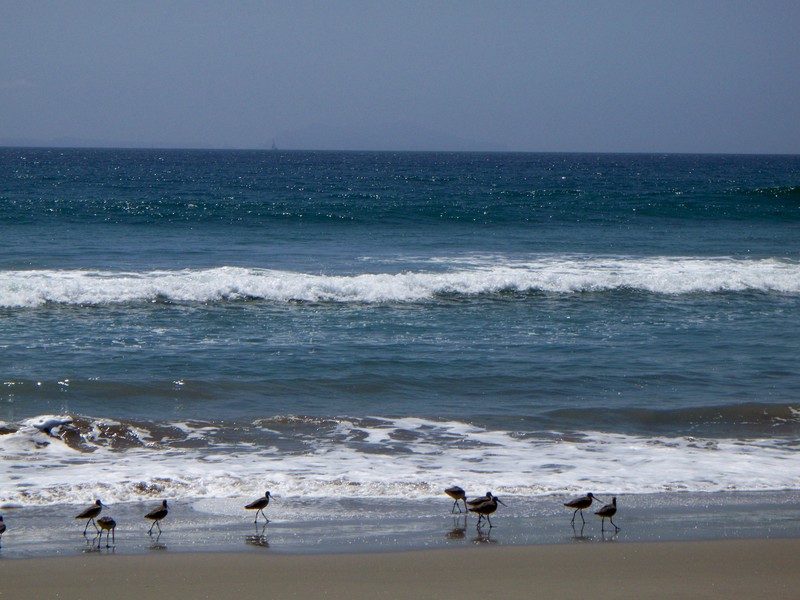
727,569
670,546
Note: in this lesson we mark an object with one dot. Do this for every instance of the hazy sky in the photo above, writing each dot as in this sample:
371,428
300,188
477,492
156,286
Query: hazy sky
607,76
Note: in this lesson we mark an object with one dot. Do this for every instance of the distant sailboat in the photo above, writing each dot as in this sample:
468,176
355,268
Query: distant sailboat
274,147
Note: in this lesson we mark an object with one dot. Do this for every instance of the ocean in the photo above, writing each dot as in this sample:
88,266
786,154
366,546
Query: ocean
205,325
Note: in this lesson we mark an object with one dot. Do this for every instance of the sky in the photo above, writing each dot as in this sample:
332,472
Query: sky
534,76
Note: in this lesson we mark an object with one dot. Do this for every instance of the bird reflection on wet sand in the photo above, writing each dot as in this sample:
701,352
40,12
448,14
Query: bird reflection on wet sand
484,537
155,545
459,530
577,536
259,538
609,536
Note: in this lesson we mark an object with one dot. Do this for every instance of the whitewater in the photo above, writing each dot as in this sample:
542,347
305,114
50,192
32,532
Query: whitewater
656,275
365,458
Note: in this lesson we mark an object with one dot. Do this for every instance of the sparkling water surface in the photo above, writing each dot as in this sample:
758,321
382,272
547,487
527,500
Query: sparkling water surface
358,323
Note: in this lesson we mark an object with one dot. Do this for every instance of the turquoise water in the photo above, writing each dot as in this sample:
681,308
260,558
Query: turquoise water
373,321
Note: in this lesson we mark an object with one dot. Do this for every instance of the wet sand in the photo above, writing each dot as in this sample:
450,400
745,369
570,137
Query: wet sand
719,569
352,525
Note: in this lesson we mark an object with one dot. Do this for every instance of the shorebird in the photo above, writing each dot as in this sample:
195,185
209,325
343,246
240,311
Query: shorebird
608,511
108,525
487,507
2,528
457,493
580,504
155,516
90,514
481,500
259,506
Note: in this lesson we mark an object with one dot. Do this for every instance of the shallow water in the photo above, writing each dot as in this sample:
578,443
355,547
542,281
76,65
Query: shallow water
313,526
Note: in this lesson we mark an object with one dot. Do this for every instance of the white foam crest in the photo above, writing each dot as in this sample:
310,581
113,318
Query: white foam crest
193,432
46,423
562,274
38,469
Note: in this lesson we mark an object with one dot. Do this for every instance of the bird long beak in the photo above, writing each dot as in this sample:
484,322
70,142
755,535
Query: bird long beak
500,501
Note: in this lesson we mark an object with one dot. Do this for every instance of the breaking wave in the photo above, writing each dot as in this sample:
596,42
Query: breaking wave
562,275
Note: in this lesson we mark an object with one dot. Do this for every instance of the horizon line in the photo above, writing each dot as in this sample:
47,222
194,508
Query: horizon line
377,151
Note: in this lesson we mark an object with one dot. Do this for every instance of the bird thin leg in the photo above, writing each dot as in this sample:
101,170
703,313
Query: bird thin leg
490,521
614,524
455,506
87,526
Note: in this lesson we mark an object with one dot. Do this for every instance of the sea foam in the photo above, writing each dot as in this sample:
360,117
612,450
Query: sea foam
369,458
556,274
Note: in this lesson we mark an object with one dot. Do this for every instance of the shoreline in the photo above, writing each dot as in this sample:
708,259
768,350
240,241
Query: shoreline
714,570
327,526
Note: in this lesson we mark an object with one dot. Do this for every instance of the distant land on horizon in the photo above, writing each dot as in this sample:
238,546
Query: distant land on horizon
74,143
393,137
399,136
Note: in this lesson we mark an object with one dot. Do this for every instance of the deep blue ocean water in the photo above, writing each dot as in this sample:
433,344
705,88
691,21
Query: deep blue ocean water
358,323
